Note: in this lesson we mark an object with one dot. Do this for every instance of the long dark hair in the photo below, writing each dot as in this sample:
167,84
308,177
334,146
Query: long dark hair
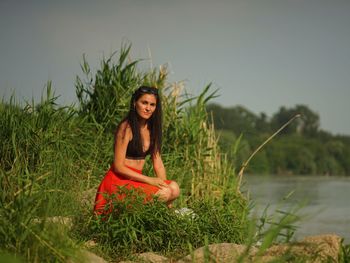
154,122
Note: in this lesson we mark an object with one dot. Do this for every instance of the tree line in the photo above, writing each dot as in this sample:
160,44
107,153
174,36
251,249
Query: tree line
301,148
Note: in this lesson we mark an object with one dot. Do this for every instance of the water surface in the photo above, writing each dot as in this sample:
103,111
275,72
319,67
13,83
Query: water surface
327,208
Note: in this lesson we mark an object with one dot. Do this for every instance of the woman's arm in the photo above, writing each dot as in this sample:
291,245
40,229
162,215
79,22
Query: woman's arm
158,166
123,137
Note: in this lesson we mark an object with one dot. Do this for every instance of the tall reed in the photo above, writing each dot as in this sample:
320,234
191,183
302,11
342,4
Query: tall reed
51,155
33,186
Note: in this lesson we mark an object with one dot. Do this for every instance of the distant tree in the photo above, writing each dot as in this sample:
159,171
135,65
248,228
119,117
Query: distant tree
236,119
309,122
276,155
263,124
281,117
303,148
260,164
324,136
227,140
307,125
236,148
345,160
335,148
340,148
300,160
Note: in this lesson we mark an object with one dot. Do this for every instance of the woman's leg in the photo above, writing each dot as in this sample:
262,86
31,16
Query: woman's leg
164,194
175,191
169,194
112,181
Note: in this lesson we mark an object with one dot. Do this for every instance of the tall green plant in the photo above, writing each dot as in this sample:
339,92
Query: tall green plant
104,96
42,152
190,151
51,154
134,226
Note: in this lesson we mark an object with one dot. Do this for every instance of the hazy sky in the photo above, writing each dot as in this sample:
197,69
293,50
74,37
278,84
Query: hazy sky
261,54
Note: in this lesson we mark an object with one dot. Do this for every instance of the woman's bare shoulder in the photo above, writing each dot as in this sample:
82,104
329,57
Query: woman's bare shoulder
124,125
124,130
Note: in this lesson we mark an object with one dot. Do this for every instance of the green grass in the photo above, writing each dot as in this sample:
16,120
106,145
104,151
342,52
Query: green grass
52,155
136,227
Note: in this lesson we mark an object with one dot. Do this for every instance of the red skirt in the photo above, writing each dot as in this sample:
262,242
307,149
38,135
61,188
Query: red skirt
110,186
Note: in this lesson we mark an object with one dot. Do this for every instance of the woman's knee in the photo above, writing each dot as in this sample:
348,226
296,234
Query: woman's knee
164,194
175,190
169,193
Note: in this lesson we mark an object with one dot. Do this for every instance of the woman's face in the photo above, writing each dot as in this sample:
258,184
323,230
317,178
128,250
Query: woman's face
146,105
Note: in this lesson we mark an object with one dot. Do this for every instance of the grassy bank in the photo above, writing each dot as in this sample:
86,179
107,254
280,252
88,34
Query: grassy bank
51,155
53,158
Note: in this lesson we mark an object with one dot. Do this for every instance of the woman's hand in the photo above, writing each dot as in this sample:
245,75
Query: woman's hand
158,182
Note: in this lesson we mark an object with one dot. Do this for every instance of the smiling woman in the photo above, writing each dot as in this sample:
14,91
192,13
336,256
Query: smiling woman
145,106
138,135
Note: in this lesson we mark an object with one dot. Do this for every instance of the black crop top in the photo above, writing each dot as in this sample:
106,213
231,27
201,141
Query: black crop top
132,152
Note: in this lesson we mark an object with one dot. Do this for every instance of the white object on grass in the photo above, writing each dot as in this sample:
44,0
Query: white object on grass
186,212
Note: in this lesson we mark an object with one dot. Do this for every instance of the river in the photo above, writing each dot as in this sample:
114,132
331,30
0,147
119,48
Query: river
326,201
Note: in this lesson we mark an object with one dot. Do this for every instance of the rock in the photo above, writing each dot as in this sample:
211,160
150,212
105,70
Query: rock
88,257
321,248
151,257
329,245
148,257
223,252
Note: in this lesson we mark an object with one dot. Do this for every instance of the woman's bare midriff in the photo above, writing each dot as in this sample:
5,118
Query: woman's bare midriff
136,164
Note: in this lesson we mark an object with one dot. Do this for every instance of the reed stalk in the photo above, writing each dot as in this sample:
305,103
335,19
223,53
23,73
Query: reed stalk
245,164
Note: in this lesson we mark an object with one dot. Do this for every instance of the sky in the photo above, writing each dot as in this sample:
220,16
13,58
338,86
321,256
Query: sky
262,54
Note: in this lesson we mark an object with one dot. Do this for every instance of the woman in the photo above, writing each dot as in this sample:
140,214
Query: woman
138,135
